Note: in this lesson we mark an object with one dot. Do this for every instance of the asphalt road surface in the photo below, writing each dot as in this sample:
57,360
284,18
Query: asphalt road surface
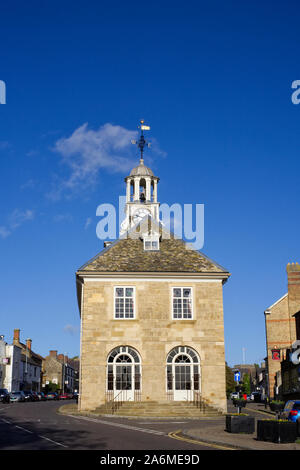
38,426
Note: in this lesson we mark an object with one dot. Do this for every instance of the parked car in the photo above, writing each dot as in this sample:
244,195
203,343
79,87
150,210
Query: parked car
52,396
42,396
29,395
17,396
256,397
4,395
292,412
234,395
64,396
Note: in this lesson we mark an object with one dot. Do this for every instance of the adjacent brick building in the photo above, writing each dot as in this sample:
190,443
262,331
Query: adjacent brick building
282,323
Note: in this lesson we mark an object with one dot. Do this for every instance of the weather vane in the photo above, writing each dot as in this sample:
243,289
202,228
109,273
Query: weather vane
141,143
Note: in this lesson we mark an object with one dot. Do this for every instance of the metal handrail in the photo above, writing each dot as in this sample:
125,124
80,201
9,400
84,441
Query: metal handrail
197,399
117,401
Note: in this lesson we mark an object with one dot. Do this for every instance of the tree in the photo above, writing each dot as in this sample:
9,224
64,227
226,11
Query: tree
51,387
246,384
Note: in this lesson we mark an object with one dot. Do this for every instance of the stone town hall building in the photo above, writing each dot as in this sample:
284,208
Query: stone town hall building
151,313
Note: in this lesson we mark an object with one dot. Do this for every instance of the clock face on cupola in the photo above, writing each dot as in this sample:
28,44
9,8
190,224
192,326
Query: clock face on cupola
141,190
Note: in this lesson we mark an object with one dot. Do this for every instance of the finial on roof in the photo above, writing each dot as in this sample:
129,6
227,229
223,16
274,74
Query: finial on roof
141,143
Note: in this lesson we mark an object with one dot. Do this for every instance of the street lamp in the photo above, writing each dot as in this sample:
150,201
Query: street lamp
64,373
26,365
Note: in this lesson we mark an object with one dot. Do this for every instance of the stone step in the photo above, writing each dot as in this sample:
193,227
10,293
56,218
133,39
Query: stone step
159,409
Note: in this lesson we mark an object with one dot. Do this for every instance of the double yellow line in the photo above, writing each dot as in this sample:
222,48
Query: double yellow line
175,435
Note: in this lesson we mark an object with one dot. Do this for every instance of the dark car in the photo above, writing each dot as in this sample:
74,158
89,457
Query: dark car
42,396
292,412
257,397
35,396
28,395
4,395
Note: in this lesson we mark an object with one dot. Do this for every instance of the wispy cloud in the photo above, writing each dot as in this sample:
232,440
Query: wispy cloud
71,329
63,218
18,217
87,223
29,184
4,145
4,232
15,220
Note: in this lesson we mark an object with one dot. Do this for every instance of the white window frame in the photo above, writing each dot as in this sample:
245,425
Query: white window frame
191,317
124,297
151,239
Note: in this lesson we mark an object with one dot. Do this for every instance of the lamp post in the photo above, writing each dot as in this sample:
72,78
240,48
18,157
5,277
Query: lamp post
63,377
64,374
26,365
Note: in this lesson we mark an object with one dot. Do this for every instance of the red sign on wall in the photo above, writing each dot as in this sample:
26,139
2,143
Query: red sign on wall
276,354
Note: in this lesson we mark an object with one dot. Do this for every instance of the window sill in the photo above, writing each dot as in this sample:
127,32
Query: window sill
125,319
185,320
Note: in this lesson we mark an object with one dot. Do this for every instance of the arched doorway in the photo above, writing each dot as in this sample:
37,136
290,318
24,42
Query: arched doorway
183,373
123,373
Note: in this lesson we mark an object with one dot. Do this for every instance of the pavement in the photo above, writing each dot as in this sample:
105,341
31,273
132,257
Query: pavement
216,434
212,431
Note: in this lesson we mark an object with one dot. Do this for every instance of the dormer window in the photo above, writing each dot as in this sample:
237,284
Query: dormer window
151,243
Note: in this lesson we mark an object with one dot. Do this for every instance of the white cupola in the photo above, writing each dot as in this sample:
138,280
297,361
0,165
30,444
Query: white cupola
141,190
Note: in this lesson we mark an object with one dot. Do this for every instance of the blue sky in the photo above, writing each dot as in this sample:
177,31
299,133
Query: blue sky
213,79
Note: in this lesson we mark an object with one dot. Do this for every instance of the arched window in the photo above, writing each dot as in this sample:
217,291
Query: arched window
183,372
123,372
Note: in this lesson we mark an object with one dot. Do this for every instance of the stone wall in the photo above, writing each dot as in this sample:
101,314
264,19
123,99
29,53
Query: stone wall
52,369
153,334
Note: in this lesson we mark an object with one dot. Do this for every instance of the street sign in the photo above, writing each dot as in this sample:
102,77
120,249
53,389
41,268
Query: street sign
237,376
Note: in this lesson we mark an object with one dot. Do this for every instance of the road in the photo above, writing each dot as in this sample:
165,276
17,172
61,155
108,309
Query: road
38,426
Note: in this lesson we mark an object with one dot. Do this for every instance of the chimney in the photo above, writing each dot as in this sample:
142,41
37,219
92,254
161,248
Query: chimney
53,354
28,344
293,273
16,339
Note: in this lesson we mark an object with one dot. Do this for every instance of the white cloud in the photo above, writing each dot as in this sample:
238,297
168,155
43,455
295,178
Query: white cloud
86,152
15,220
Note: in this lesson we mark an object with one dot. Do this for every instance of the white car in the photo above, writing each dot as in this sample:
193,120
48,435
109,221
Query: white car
234,395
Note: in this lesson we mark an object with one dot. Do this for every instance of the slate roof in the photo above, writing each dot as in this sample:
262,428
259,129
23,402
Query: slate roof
128,255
